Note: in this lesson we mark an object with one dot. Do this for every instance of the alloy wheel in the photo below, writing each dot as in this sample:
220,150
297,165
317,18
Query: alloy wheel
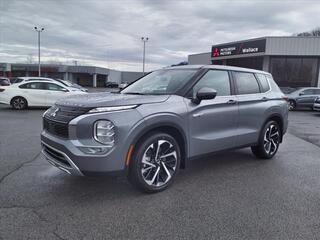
271,139
159,163
18,103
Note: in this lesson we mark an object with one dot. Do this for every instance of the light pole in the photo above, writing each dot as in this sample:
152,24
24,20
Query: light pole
39,30
144,40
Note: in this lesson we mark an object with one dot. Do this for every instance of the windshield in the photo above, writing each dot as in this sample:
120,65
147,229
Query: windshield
166,81
65,82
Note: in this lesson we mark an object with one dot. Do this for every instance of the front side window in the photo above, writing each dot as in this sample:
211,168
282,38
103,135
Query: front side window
215,79
246,83
167,81
317,91
54,87
307,92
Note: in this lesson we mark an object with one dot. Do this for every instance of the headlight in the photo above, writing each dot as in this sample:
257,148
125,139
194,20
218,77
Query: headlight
110,109
104,132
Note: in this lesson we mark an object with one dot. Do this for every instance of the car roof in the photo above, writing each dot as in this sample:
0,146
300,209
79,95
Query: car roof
221,67
35,78
42,81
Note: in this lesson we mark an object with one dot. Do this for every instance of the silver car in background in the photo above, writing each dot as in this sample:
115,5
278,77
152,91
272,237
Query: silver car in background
303,97
159,123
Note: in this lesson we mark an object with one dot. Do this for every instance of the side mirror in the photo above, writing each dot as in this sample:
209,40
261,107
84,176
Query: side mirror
204,93
301,94
64,90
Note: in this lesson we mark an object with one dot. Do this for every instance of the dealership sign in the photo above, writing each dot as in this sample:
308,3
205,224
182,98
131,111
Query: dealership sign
240,48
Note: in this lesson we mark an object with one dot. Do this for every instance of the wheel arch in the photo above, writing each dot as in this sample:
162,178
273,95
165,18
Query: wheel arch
277,118
172,129
18,97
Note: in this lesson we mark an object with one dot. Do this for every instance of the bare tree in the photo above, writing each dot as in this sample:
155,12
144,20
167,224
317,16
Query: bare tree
313,33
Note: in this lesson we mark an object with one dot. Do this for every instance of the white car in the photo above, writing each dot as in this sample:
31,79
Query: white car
67,83
35,93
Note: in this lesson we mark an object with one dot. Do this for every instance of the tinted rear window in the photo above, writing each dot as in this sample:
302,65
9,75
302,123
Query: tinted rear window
263,82
246,83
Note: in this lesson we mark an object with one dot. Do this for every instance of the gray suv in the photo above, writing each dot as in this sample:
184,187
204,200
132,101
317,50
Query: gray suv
156,125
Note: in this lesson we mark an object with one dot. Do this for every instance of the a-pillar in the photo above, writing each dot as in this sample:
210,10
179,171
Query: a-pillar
94,80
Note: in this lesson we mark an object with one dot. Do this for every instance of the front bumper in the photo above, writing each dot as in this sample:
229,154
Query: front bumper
60,160
66,153
316,106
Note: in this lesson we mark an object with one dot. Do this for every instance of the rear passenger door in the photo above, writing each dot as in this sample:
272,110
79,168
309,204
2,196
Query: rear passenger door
34,93
253,104
212,123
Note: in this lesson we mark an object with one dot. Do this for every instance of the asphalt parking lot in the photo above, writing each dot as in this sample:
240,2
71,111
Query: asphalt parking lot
230,196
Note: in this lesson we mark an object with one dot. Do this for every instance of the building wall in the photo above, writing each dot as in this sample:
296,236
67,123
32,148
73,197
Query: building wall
201,58
292,46
128,77
114,76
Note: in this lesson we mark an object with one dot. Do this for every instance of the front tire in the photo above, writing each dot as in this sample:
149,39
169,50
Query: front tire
269,141
19,103
155,163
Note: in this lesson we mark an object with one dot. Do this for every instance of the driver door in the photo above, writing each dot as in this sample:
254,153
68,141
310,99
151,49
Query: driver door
213,123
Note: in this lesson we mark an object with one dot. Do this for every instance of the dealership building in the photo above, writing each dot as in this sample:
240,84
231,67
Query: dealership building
293,61
84,75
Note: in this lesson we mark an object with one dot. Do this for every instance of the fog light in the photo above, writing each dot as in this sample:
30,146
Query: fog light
93,150
104,132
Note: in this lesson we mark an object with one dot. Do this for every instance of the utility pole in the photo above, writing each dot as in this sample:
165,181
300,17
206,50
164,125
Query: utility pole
39,30
144,40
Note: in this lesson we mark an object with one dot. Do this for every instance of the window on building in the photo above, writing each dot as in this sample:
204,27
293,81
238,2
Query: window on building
247,62
216,79
294,71
246,83
263,82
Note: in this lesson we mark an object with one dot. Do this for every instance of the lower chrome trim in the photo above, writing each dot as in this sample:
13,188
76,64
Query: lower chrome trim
72,170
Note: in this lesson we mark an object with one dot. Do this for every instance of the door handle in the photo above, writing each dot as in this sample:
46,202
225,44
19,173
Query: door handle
264,99
232,101
197,115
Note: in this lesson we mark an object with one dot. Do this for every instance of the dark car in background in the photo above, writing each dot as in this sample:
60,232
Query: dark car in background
112,84
4,82
303,97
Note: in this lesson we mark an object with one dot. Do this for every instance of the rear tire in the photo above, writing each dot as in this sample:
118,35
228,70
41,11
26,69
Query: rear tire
19,103
155,163
269,141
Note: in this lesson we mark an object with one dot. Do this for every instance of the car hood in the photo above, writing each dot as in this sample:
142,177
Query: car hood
92,100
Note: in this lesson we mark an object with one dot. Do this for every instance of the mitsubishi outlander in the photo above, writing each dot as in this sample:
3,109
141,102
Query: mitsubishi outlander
157,124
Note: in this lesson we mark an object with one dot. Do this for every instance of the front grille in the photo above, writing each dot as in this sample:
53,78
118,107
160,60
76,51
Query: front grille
57,118
56,128
66,114
60,158
317,100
